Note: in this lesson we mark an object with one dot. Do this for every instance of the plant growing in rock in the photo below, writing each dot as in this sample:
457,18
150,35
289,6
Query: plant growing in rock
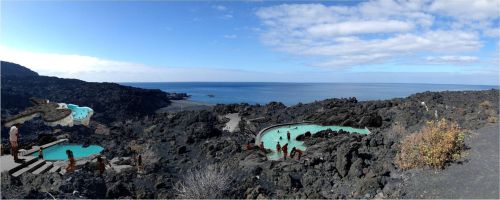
434,145
486,104
206,183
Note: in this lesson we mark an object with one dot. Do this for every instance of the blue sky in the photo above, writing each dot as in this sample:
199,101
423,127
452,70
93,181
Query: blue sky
363,41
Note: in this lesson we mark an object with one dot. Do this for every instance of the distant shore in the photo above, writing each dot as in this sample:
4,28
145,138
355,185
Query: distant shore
185,105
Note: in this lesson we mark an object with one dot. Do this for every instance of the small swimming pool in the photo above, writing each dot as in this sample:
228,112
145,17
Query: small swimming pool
79,113
58,151
271,137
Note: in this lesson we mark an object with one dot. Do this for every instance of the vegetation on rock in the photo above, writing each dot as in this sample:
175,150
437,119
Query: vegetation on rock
434,145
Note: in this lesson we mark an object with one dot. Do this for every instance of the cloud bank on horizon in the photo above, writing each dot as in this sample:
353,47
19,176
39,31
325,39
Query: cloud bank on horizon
424,41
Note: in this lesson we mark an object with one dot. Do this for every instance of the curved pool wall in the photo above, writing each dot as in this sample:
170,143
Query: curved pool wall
58,151
271,135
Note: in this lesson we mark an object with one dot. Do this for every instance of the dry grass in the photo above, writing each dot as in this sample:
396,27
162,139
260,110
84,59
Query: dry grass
492,119
486,104
434,145
207,183
397,130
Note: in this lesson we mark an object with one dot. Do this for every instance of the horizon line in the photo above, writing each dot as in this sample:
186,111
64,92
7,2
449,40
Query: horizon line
305,82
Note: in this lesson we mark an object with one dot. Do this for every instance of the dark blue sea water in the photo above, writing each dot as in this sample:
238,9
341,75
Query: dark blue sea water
293,93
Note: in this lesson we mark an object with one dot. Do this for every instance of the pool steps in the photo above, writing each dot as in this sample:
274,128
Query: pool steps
43,168
30,168
34,165
55,169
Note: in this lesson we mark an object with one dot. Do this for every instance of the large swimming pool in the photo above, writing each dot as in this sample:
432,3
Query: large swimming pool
272,136
58,152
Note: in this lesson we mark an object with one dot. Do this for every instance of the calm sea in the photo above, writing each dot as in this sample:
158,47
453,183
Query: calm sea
293,93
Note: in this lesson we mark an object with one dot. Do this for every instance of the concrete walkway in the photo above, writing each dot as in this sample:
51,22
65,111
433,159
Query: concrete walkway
7,162
232,124
477,177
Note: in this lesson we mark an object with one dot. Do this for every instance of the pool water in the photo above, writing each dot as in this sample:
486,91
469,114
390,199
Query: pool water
78,112
58,152
272,136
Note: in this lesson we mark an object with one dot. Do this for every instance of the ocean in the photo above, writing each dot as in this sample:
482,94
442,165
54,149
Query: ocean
293,93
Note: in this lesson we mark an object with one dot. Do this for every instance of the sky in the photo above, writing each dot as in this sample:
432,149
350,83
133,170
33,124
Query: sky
388,41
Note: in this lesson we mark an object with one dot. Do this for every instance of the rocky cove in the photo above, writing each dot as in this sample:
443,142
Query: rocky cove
335,164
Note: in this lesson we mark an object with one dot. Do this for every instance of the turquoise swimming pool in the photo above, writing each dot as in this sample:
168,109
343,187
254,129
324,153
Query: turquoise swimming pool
271,137
58,152
79,113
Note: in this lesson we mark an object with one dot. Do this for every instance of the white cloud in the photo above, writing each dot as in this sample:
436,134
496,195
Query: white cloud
467,10
219,7
375,31
231,36
95,69
359,27
452,59
227,16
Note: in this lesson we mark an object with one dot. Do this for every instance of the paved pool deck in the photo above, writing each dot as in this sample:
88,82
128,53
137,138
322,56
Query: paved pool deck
7,162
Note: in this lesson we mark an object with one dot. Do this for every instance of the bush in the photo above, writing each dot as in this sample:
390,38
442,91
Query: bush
492,119
434,145
486,104
207,183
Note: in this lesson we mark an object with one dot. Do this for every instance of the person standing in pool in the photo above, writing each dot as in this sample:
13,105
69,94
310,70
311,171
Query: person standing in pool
288,135
72,163
40,153
261,146
278,147
285,151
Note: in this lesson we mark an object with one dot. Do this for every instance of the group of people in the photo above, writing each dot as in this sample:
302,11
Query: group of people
282,149
101,163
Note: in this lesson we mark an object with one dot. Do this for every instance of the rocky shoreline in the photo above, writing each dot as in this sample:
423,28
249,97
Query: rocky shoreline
335,165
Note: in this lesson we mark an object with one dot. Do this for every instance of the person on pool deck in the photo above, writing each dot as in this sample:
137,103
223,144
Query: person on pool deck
72,163
278,147
261,146
296,151
285,151
13,138
40,153
288,135
140,167
101,166
248,146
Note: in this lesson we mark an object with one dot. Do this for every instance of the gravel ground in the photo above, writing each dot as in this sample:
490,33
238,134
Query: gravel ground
477,176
